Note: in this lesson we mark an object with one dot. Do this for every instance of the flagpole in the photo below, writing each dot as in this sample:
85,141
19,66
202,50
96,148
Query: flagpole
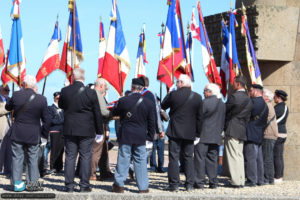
162,35
188,40
181,27
74,45
44,86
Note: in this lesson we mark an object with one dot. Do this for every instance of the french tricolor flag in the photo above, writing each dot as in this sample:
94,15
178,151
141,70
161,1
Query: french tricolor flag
102,47
116,64
51,58
2,53
224,71
195,29
140,69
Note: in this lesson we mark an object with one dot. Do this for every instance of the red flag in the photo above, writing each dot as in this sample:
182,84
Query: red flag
2,56
5,78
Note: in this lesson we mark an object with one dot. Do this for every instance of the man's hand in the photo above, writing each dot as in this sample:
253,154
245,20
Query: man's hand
161,135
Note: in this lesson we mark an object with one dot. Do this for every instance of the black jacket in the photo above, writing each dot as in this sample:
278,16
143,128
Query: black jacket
27,127
214,111
141,125
256,127
279,110
82,116
184,123
238,111
57,118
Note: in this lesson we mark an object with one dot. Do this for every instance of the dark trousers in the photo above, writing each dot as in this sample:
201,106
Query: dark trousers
206,160
83,145
6,155
268,148
57,150
254,164
159,146
104,160
187,148
278,157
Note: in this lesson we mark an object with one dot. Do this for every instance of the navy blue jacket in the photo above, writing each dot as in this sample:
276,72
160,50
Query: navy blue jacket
141,125
27,127
57,118
279,110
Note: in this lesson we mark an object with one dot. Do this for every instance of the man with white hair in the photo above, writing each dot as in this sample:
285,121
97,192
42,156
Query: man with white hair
206,151
270,137
82,121
29,109
184,127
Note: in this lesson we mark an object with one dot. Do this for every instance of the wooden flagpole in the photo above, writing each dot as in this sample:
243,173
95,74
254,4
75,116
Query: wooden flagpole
162,35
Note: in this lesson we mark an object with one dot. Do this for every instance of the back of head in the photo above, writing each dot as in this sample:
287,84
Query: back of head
146,80
100,81
241,80
215,90
185,80
79,74
29,81
269,94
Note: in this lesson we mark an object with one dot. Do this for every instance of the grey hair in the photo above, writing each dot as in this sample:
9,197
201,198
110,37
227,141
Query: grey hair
79,74
100,81
215,89
30,81
269,94
185,79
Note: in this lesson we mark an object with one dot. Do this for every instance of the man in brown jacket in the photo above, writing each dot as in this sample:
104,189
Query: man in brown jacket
270,136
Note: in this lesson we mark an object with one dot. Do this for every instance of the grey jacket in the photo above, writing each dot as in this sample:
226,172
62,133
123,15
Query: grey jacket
213,120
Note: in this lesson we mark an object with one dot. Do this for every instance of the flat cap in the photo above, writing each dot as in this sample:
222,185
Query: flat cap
257,86
281,93
138,81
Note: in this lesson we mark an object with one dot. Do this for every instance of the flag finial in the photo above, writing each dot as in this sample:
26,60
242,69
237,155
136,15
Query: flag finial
71,4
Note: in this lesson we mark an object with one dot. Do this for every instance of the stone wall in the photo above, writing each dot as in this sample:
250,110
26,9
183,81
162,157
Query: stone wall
275,30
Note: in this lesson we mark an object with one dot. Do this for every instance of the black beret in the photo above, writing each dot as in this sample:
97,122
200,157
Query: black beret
138,81
55,94
281,93
257,86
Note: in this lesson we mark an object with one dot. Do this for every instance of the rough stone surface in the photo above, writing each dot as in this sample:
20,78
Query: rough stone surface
293,3
238,3
297,53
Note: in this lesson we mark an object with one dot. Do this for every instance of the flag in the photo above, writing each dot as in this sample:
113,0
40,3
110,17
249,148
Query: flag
208,60
102,46
51,58
252,63
116,64
141,56
234,65
2,54
16,58
173,51
68,60
195,29
5,78
189,47
224,71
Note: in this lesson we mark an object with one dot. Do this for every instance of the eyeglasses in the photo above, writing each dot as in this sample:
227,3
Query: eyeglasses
206,90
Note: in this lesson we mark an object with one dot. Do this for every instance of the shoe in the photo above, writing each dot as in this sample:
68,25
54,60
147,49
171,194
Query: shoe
93,178
19,186
110,145
108,176
117,189
250,184
49,172
277,180
198,186
69,190
144,191
85,189
212,186
172,188
189,188
262,184
161,170
234,186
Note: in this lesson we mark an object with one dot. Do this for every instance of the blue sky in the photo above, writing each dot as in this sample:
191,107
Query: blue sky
38,20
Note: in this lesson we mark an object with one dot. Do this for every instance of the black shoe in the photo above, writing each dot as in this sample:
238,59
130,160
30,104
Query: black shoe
189,188
85,189
250,184
234,186
198,186
107,177
213,186
172,188
69,190
160,170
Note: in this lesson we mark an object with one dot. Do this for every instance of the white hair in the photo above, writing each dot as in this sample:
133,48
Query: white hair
215,89
30,81
79,74
100,81
185,79
269,94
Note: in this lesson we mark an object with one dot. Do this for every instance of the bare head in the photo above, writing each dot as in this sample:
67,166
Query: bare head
79,74
239,82
4,91
212,89
184,81
29,82
268,95
101,85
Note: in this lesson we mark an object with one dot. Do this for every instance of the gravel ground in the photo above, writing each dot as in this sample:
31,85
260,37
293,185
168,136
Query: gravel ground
158,181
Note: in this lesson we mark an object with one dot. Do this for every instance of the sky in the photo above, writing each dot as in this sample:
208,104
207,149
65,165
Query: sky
38,20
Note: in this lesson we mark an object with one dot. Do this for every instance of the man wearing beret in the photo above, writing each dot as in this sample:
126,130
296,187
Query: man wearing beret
282,113
254,165
137,125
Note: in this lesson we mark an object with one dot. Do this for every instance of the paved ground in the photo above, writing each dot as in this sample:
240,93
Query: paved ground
158,181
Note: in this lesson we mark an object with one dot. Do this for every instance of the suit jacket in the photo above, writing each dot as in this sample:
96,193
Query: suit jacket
3,120
57,118
256,127
82,115
238,110
279,110
214,111
149,95
141,125
102,104
27,125
184,123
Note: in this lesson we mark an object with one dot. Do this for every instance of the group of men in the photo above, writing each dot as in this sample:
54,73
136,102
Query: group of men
78,124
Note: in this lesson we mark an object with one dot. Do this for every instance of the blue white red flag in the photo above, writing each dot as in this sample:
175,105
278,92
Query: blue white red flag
173,51
51,58
15,10
116,65
5,78
195,29
140,69
208,60
224,71
252,63
69,61
102,48
234,65
16,58
2,53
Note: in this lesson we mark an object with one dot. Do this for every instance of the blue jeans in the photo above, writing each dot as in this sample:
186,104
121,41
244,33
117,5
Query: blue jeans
139,156
158,145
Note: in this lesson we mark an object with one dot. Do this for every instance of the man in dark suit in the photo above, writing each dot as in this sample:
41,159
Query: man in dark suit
254,165
26,130
206,151
137,125
184,126
82,121
238,110
56,135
